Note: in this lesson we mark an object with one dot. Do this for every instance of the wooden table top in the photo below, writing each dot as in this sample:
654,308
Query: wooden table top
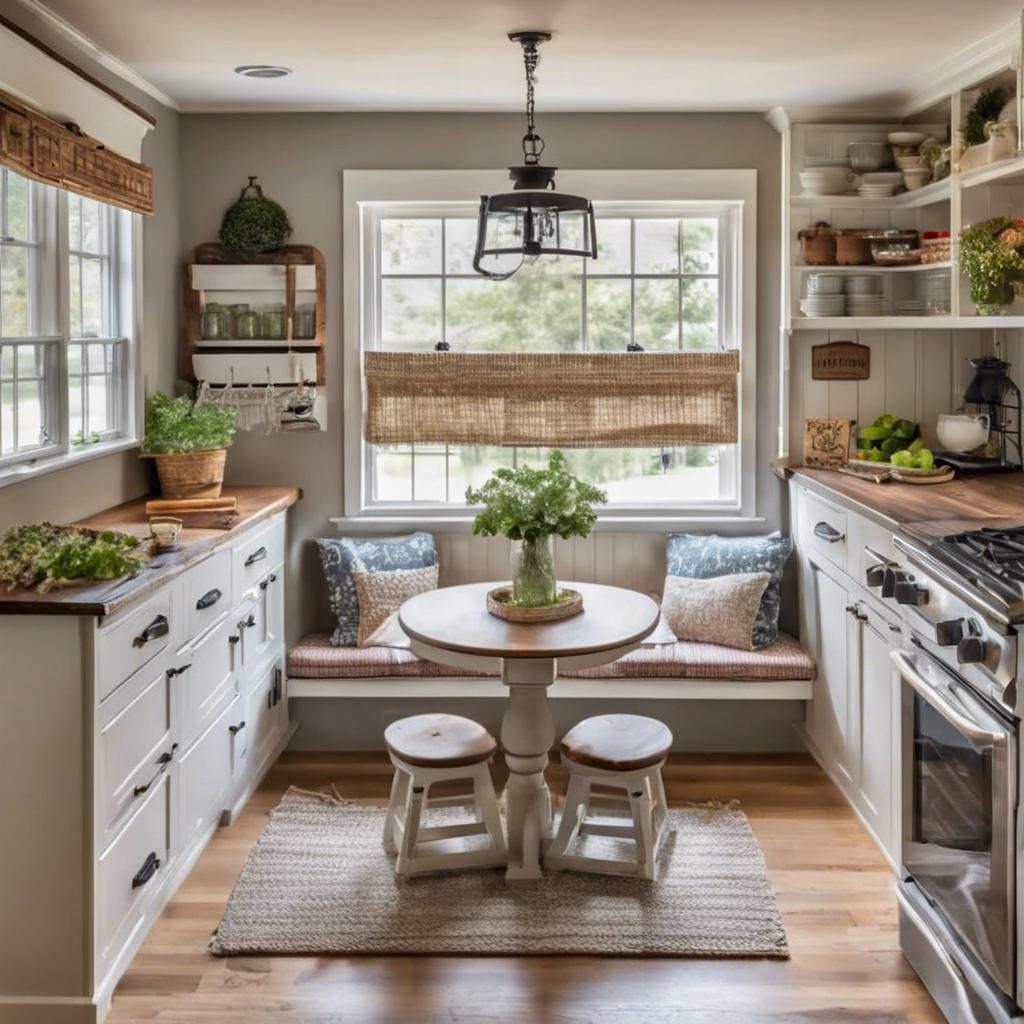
928,512
457,619
254,505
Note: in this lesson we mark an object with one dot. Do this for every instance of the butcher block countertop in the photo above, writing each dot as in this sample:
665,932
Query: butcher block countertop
254,504
927,511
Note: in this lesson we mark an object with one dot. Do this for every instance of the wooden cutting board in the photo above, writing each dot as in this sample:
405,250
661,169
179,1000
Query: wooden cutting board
178,506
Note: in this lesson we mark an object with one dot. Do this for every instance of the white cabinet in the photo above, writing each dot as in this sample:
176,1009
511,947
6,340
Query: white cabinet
852,721
127,741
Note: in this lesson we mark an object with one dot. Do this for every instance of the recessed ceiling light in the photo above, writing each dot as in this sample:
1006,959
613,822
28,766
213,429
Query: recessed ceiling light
262,71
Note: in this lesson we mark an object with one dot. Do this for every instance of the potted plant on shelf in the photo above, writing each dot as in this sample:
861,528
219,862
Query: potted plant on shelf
531,507
189,443
992,257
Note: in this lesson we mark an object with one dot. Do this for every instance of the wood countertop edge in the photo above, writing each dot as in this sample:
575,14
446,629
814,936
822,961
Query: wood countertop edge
840,496
136,587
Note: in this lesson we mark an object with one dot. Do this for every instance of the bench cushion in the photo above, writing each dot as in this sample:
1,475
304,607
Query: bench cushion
314,658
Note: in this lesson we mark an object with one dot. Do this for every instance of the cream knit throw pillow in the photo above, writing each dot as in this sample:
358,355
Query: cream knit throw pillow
382,593
719,610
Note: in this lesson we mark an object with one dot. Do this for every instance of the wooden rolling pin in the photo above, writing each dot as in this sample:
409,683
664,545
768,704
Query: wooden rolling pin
175,506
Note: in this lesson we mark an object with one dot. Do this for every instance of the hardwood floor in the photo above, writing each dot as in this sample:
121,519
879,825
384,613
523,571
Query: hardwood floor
834,890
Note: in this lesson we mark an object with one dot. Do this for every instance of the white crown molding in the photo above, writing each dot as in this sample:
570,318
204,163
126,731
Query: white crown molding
107,60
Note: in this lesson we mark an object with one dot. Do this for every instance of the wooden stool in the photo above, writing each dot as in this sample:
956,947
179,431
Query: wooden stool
431,749
616,753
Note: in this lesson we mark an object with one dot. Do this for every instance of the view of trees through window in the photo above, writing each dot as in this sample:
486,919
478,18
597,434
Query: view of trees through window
658,281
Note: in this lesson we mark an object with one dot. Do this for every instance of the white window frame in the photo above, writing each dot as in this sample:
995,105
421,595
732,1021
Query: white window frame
52,307
365,192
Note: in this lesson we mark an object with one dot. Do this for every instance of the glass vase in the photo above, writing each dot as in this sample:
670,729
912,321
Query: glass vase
533,572
992,300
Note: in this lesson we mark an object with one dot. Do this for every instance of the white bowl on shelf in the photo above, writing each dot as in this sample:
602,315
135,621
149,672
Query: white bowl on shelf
906,138
828,181
824,284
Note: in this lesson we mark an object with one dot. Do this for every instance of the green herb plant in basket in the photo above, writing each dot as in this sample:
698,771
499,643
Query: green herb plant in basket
255,224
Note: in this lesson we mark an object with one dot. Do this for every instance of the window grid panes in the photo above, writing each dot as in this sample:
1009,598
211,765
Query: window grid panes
51,339
660,281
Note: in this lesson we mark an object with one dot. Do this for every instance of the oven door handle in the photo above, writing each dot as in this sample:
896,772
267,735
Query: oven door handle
906,669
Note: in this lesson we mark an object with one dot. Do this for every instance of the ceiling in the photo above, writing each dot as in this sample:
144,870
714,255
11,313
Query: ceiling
649,55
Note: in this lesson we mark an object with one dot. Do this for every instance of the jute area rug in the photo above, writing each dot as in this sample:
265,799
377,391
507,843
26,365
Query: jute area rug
318,881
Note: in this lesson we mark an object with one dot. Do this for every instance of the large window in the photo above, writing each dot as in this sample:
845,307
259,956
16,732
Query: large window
668,278
66,322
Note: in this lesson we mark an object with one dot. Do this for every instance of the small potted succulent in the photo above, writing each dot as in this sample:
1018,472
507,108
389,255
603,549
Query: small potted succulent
531,507
189,444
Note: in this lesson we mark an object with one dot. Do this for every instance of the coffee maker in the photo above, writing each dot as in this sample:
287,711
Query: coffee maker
992,391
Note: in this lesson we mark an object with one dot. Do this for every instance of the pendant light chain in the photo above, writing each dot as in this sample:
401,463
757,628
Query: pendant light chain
533,144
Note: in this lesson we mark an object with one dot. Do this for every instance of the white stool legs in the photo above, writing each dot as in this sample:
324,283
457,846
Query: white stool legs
414,845
642,791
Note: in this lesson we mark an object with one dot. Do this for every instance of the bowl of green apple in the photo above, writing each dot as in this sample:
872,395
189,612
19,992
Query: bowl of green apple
894,442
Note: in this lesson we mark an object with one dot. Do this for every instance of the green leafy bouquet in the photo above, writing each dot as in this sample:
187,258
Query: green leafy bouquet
175,426
992,257
528,503
46,556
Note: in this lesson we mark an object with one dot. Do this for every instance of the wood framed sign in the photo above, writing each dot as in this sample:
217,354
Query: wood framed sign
827,443
840,360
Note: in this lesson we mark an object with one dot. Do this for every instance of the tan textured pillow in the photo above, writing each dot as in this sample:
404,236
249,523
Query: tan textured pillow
719,610
381,593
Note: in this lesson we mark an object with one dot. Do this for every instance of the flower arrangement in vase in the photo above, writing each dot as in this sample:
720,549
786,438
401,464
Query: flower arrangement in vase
531,507
992,257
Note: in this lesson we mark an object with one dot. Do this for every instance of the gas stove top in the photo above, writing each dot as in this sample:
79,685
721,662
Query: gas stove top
991,560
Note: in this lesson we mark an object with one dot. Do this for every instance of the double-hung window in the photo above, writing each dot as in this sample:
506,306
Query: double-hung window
669,277
66,323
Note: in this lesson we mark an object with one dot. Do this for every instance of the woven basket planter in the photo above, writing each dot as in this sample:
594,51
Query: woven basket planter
191,474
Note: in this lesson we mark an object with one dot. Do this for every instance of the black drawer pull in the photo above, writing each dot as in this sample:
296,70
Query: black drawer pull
247,623
236,729
147,871
163,760
172,672
157,628
265,583
257,556
273,577
234,639
827,533
211,597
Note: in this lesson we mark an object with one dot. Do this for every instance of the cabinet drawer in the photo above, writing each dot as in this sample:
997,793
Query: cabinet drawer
132,869
133,748
869,545
256,554
131,642
823,528
203,676
266,714
260,625
207,592
205,773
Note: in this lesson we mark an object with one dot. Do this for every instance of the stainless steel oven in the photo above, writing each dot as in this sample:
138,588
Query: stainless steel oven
959,799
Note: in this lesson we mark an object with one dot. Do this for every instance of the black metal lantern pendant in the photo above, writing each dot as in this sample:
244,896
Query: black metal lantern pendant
531,221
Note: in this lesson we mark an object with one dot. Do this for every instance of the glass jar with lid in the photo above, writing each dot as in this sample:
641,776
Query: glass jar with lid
235,310
304,324
247,325
214,322
273,324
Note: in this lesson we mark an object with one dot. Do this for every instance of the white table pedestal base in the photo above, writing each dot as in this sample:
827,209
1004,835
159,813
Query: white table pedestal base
527,734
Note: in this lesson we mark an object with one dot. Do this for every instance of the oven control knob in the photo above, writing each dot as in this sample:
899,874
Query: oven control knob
909,592
874,576
949,632
971,650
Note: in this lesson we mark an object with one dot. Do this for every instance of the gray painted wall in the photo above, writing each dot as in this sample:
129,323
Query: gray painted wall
70,494
300,158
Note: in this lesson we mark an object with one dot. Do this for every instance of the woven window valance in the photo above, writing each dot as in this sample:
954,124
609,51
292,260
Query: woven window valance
594,400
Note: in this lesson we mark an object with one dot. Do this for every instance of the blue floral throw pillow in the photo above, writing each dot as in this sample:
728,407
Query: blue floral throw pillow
341,556
704,556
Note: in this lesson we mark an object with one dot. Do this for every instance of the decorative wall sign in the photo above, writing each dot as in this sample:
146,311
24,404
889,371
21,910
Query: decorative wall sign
827,443
840,360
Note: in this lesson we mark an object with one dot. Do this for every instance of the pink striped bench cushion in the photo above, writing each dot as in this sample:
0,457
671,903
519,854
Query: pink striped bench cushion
314,658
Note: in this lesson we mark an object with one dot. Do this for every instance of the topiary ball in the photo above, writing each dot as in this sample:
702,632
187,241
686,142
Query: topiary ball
254,224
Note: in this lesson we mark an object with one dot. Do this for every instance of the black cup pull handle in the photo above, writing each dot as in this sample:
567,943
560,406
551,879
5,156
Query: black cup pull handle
236,729
211,597
257,556
247,623
163,760
147,871
826,532
172,672
157,628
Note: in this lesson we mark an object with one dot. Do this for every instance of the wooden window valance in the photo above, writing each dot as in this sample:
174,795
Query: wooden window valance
594,400
34,145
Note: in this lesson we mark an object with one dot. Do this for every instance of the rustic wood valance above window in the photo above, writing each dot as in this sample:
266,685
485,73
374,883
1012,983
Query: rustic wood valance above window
33,145
593,400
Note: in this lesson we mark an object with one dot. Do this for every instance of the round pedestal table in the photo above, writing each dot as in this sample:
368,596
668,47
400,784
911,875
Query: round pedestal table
452,626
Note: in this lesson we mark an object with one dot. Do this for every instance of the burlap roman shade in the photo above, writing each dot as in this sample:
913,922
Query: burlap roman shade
592,400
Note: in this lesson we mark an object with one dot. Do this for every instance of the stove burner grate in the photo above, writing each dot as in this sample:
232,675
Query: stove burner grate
991,558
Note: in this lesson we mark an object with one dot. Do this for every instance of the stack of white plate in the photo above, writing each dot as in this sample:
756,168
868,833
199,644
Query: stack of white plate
825,284
823,305
863,284
878,184
864,305
911,307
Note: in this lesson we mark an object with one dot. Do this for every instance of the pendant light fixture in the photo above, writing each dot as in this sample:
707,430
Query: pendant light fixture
531,221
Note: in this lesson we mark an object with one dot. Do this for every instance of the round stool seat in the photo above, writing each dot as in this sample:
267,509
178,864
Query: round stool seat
617,743
439,741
